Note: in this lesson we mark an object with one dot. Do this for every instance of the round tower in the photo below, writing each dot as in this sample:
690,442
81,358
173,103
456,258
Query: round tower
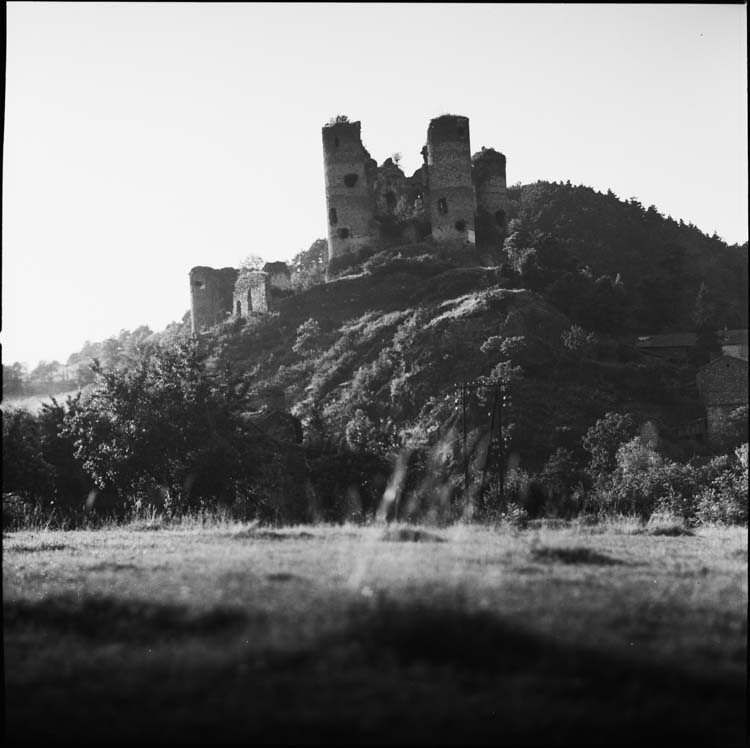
349,173
451,191
492,193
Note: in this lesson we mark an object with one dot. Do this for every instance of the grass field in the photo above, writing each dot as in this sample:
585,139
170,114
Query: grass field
244,634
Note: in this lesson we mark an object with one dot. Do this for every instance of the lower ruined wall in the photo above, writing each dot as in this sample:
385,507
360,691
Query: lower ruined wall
211,296
717,419
252,293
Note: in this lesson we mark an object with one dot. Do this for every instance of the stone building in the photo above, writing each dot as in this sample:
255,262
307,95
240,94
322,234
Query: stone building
211,292
492,192
216,295
723,387
678,346
252,293
349,180
451,191
734,343
370,205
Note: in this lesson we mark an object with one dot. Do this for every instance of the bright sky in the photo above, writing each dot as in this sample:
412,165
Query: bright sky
143,139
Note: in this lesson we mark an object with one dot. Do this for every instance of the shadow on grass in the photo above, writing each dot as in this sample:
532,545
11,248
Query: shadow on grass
575,555
410,535
670,531
108,619
40,548
394,673
271,535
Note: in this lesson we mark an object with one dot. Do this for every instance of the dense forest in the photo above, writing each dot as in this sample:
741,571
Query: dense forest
372,365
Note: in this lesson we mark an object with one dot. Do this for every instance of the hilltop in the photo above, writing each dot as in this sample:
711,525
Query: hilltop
385,344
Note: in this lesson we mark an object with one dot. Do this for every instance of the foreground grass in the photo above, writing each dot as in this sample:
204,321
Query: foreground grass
237,634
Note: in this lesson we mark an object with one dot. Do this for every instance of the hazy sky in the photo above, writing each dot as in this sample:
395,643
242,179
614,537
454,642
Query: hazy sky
143,139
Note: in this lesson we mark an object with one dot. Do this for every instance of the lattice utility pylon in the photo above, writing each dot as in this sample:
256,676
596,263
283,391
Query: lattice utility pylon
500,399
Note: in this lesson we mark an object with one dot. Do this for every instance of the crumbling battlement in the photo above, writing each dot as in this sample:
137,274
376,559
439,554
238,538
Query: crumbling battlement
217,295
447,197
211,293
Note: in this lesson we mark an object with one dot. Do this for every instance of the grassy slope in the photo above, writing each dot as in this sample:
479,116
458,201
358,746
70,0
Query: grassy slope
324,634
376,355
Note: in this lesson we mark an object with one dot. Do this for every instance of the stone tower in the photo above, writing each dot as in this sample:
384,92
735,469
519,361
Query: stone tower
349,176
211,293
489,180
452,198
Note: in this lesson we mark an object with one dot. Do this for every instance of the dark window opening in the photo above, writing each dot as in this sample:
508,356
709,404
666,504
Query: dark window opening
442,206
461,225
460,132
199,284
238,308
343,233
333,217
335,142
500,217
390,200
350,180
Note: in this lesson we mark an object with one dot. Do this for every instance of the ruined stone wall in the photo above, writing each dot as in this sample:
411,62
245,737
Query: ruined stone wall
260,292
392,189
452,201
211,293
488,167
722,385
252,293
717,417
279,276
724,382
349,177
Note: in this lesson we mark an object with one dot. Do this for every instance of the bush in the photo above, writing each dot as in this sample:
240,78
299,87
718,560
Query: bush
643,482
725,499
346,486
164,426
603,440
559,480
25,471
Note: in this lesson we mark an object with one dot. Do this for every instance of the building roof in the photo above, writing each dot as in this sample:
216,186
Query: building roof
668,340
733,337
688,339
723,361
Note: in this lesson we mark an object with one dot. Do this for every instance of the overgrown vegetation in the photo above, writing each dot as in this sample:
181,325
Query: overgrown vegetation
372,365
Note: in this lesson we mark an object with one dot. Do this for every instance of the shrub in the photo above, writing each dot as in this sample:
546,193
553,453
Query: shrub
163,424
643,481
725,499
603,440
25,471
558,480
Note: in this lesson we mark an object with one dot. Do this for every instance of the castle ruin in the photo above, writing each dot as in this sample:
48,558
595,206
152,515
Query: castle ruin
446,198
453,198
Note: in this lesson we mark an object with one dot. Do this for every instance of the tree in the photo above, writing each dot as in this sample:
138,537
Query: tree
13,379
25,472
308,266
603,439
164,423
703,312
579,342
308,336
